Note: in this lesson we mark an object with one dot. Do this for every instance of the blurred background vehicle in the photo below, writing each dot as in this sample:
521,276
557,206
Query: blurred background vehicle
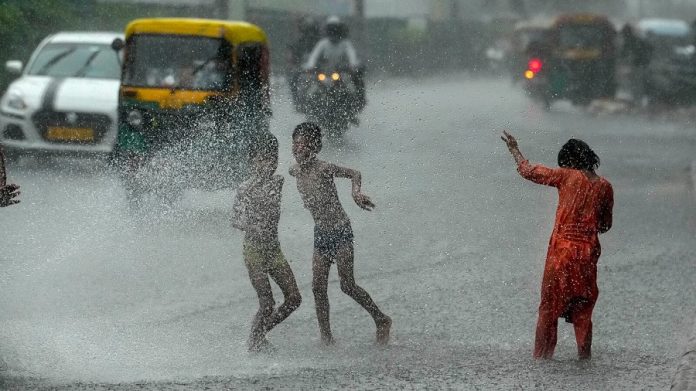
667,67
65,99
575,60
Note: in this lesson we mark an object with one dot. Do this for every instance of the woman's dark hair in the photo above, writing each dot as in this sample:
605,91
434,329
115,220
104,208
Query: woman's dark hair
311,132
266,146
578,155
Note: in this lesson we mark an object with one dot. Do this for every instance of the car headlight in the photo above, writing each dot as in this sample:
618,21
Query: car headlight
16,102
135,118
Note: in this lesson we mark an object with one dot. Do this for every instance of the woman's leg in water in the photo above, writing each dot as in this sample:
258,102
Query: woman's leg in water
320,280
582,323
546,334
345,263
282,275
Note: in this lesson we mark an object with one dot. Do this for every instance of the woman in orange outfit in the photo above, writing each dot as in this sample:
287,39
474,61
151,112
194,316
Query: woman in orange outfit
585,202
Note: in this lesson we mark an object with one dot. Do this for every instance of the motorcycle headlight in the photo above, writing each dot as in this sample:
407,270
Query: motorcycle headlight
135,118
16,102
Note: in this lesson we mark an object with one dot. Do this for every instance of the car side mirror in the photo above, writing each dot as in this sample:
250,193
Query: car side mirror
118,44
14,67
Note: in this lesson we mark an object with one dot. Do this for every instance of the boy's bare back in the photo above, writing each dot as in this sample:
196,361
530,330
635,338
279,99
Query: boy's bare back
318,191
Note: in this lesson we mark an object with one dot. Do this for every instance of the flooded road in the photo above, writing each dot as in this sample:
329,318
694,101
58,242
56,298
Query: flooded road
93,294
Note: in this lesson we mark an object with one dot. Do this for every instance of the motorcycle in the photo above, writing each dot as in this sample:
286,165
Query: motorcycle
332,100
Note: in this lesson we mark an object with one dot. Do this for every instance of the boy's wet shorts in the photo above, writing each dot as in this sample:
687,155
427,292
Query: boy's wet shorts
327,242
266,258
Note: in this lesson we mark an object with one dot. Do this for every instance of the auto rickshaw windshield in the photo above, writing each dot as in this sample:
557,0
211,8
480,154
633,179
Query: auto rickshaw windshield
183,62
582,36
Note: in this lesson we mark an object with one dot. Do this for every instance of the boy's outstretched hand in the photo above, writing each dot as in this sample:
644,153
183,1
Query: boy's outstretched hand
8,193
363,201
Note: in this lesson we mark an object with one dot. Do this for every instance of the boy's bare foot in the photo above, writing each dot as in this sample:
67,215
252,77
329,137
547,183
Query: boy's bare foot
259,344
262,346
383,328
327,340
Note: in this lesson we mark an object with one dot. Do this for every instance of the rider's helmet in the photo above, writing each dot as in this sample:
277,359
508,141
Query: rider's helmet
336,29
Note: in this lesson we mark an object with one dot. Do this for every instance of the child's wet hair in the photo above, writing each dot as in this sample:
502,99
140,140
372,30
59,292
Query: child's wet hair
266,146
578,155
311,132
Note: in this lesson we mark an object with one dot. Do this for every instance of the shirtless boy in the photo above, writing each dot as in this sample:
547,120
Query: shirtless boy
333,235
256,212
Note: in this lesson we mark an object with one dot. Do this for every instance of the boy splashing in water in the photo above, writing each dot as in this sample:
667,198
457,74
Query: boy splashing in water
333,235
257,212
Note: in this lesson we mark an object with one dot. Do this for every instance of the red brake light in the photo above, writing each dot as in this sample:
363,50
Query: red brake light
535,65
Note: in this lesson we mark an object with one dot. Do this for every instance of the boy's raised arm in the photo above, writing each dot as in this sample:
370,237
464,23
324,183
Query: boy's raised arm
345,172
361,199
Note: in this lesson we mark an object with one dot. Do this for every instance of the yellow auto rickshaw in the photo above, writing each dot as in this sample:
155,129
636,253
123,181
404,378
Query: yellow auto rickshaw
194,96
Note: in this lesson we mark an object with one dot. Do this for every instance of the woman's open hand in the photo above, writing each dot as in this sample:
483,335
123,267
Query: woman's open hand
509,140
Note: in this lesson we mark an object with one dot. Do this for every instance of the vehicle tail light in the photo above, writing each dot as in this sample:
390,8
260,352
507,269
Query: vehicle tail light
535,65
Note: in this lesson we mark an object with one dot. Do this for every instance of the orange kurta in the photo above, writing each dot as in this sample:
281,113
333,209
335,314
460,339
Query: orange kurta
569,286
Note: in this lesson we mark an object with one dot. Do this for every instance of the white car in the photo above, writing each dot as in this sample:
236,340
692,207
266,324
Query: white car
66,98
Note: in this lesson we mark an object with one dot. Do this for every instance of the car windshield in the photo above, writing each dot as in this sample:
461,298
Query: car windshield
77,60
195,63
581,36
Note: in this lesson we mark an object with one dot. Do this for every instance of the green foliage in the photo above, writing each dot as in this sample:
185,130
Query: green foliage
24,23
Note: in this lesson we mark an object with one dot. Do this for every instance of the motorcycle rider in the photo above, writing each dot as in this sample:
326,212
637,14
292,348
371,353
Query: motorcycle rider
336,52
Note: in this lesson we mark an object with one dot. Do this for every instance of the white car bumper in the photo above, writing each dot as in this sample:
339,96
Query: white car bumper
37,131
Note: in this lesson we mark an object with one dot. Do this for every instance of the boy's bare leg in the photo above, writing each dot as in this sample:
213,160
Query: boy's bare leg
260,282
282,275
320,281
344,262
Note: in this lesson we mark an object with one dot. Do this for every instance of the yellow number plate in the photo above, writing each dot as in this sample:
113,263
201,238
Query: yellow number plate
70,134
